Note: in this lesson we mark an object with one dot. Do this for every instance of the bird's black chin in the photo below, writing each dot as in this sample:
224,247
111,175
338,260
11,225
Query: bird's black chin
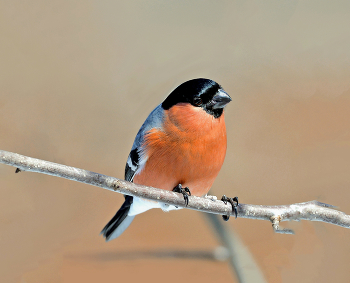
215,112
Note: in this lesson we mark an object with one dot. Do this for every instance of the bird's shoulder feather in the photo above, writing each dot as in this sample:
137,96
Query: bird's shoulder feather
137,158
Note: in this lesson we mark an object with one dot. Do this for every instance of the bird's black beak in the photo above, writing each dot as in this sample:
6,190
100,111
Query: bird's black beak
220,99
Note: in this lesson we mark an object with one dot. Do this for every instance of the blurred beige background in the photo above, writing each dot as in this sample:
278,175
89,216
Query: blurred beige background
77,80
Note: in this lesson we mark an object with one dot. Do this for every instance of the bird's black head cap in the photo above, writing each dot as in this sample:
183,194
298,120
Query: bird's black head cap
203,93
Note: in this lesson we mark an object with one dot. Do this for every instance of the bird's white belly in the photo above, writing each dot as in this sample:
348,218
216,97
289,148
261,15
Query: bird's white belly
141,205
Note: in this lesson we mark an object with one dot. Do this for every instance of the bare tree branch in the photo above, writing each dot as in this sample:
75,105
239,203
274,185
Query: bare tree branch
312,210
243,264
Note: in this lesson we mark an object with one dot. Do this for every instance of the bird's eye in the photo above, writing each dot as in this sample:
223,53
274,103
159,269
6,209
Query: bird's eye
197,101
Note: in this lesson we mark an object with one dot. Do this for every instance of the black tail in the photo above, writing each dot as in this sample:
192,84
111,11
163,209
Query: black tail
120,221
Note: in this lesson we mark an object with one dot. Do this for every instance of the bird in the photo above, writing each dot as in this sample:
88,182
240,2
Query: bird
180,147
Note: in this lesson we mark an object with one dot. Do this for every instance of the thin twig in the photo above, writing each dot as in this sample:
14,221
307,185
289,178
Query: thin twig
312,210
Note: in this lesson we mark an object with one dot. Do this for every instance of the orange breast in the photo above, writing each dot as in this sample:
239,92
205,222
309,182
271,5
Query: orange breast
189,150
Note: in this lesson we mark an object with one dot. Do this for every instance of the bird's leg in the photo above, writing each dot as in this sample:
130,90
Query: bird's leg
184,191
233,202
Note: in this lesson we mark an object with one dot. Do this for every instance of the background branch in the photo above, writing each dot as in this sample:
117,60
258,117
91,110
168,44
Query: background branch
312,211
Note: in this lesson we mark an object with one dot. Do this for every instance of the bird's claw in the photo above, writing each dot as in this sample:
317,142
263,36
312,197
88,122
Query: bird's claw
187,190
184,191
233,202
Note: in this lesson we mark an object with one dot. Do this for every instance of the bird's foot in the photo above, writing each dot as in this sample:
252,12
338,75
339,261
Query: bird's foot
233,202
184,191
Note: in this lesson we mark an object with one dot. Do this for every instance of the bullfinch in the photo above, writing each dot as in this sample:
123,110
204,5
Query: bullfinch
180,147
